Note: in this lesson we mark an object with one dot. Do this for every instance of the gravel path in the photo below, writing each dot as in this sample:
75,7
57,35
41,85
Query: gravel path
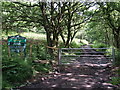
91,75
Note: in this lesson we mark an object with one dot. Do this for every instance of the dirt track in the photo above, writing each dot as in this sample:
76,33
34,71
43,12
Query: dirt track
89,76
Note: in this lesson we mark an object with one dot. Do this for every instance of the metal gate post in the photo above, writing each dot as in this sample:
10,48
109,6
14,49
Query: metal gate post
59,56
113,54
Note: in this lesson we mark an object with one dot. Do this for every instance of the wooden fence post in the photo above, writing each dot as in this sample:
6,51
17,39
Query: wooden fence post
9,54
30,50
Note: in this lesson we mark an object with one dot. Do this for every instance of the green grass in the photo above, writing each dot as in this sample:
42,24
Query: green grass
35,36
42,37
28,35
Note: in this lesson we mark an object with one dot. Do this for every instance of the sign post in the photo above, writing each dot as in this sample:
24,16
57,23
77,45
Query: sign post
17,44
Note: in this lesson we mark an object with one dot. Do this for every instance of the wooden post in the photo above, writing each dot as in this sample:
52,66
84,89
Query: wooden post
46,51
9,54
30,50
21,53
59,56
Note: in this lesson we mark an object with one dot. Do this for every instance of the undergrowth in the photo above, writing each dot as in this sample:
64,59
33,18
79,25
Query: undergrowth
117,58
99,45
18,69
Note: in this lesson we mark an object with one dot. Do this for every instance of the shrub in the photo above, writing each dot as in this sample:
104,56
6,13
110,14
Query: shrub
17,69
71,45
45,68
61,45
115,80
74,45
99,45
117,58
16,72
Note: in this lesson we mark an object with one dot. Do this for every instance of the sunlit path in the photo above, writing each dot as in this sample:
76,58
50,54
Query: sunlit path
83,74
78,77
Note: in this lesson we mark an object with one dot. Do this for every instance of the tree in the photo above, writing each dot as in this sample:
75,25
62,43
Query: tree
57,18
75,16
106,23
111,15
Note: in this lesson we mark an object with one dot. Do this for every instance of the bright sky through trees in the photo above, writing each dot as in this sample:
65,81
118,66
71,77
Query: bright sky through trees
35,1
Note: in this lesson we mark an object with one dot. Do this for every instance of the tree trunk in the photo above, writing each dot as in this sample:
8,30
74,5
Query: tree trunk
68,39
49,42
68,29
62,36
117,39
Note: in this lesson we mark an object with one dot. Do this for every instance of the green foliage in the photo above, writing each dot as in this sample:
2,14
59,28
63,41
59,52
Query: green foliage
6,85
19,73
95,31
99,45
115,80
16,72
66,24
40,52
61,45
105,24
74,45
17,69
38,48
45,68
117,58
